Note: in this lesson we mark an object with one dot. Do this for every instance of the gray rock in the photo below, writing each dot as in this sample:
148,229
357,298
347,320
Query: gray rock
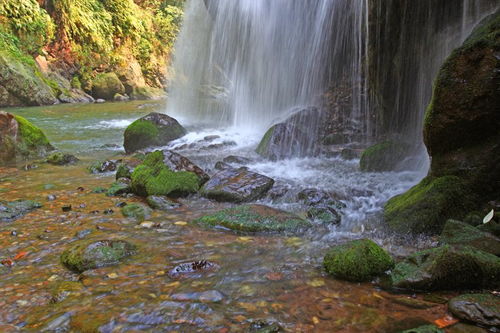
483,309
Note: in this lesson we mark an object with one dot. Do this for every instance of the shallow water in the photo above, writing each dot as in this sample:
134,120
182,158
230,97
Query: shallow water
261,277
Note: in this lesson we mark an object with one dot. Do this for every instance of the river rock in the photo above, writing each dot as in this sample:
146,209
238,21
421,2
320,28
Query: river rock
326,215
106,86
238,160
10,211
137,210
153,177
119,187
85,255
20,138
237,185
162,203
211,296
459,233
385,156
462,137
483,309
446,268
297,136
123,171
358,260
103,166
192,269
59,158
177,162
155,129
262,326
254,218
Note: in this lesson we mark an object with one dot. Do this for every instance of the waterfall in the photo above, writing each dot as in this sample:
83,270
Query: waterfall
247,63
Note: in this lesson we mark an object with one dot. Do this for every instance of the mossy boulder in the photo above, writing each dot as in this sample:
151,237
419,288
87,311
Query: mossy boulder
119,188
85,255
462,137
138,211
12,210
103,166
155,129
106,86
385,156
161,203
254,218
459,233
447,268
60,158
482,309
153,177
426,207
123,171
358,260
20,138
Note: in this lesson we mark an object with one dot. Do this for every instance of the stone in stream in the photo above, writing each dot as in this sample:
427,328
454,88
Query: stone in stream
447,268
192,269
483,309
155,129
103,166
177,162
358,260
385,156
237,185
326,215
59,158
297,136
85,255
20,138
254,218
211,296
162,203
154,177
238,160
123,171
462,234
314,198
12,210
262,326
119,188
137,210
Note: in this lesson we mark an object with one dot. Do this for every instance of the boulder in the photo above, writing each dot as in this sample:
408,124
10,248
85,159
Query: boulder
385,156
254,218
123,171
10,211
59,158
358,260
106,85
155,129
153,177
20,138
162,203
326,215
177,162
119,188
103,166
461,134
459,233
446,268
482,309
297,136
85,255
138,211
237,185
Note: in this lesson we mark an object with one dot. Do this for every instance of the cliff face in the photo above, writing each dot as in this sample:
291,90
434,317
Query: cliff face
58,48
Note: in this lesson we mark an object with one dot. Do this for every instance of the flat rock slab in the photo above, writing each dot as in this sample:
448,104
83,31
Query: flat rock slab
482,309
237,185
10,211
177,162
254,218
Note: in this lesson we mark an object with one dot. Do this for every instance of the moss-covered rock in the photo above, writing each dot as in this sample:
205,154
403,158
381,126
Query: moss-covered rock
459,233
447,268
106,86
426,207
136,210
155,129
14,209
123,171
483,309
153,177
118,188
326,215
60,158
85,255
254,218
161,203
385,156
358,260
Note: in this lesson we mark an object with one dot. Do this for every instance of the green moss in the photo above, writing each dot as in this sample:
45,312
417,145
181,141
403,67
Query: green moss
424,329
153,177
264,143
384,156
143,129
123,171
32,139
118,188
358,260
426,207
254,218
138,211
106,86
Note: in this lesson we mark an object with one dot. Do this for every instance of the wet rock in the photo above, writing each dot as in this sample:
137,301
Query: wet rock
222,166
492,227
100,101
237,185
63,289
106,86
162,203
483,309
85,255
83,233
325,215
136,210
61,159
358,260
466,328
238,160
459,233
261,326
279,190
349,154
121,98
194,268
88,321
424,329
210,138
211,296
66,208
120,204
99,190
155,129
295,137
102,166
153,177
385,156
177,162
124,171
446,268
313,197
118,188
10,211
51,197
413,303
254,218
